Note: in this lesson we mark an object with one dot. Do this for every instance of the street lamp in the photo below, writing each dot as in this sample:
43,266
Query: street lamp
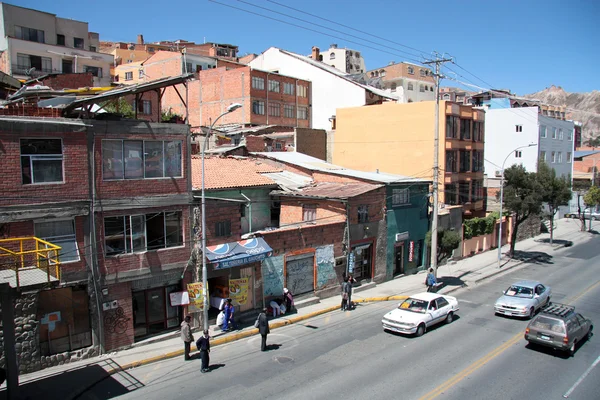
231,108
502,200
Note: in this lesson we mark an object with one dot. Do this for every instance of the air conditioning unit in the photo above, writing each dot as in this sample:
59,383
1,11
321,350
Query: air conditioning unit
498,174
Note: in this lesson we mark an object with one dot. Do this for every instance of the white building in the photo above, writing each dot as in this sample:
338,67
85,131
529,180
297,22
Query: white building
331,88
35,43
346,60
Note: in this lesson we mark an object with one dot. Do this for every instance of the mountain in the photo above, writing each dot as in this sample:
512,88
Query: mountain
583,107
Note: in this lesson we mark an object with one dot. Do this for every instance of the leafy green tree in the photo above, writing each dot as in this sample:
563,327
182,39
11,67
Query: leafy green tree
447,241
592,199
119,106
593,142
556,191
522,198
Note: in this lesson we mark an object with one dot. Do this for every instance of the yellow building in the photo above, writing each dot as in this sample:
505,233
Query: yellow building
129,74
398,139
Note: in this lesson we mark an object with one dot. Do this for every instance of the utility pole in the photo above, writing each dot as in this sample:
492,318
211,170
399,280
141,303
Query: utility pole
436,163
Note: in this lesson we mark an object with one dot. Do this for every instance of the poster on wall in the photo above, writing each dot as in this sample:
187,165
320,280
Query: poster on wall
238,291
196,297
411,251
179,298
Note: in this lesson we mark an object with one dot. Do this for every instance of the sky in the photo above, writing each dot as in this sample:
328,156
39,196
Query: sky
524,46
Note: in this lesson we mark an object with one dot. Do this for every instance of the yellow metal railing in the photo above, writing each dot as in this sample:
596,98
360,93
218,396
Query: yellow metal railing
30,252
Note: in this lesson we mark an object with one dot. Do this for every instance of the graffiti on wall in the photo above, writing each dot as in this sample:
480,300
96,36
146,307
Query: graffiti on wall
115,321
325,267
272,272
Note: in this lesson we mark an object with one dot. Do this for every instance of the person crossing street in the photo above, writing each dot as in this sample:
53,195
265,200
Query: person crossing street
203,345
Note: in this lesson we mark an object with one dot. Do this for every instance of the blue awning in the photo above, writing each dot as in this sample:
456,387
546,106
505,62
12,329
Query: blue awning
233,254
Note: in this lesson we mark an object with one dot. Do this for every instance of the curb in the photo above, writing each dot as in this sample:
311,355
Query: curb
251,332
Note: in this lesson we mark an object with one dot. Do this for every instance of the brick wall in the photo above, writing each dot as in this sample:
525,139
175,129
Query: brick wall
375,200
4,64
312,142
255,143
153,98
286,240
118,330
218,211
69,81
21,110
327,212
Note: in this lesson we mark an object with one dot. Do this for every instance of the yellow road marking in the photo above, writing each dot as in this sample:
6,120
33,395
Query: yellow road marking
488,357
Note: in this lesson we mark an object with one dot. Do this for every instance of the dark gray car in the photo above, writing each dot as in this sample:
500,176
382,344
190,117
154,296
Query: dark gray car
558,326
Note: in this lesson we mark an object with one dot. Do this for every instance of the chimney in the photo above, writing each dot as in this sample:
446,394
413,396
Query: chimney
140,39
334,46
315,53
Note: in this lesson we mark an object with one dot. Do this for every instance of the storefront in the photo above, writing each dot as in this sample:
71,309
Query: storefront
300,272
361,260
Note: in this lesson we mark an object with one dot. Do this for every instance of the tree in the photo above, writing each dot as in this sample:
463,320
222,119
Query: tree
120,106
593,142
592,199
522,198
556,191
447,241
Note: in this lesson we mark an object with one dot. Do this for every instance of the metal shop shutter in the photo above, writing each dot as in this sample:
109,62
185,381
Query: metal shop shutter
299,273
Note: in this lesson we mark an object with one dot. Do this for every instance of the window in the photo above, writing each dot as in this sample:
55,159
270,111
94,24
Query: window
278,146
223,228
128,76
137,159
93,48
382,73
357,54
41,161
518,128
188,67
30,34
465,129
410,86
569,135
288,111
560,134
411,70
553,133
452,123
553,157
393,87
60,40
446,97
302,90
421,88
258,107
451,161
135,233
477,164
302,112
151,49
96,71
465,161
258,83
26,61
145,107
518,154
141,74
450,192
543,130
477,190
463,192
543,156
400,197
332,56
459,99
274,86
477,131
288,88
60,233
559,156
274,109
78,43
422,72
569,157
309,213
363,214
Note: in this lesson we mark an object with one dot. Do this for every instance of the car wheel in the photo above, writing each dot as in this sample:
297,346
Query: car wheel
420,330
571,350
531,312
547,302
450,317
590,333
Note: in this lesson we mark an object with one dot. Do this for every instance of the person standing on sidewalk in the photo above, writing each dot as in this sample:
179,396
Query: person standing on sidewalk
344,294
203,345
262,323
430,281
229,322
288,300
351,280
186,336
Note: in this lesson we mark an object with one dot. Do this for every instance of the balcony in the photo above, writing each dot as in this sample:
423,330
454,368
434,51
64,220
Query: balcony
31,72
29,261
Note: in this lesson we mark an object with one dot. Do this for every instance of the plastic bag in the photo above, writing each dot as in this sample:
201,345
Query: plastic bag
220,318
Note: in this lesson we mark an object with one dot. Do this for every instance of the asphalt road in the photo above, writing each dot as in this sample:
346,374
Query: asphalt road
346,355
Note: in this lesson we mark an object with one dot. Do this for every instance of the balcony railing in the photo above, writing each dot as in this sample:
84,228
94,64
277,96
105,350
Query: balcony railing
31,71
27,261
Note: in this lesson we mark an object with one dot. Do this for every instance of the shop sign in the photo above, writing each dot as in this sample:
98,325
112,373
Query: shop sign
238,291
196,297
351,262
411,251
179,298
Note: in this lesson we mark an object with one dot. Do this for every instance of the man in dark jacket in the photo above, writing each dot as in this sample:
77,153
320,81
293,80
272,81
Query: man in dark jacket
263,328
186,336
203,345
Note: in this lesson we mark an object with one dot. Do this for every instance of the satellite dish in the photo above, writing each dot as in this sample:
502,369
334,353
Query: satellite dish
29,71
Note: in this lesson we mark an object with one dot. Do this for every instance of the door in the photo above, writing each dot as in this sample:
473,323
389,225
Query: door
67,66
299,273
399,260
155,300
362,262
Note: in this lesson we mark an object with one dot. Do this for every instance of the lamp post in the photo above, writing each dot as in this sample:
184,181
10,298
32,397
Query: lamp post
502,200
231,108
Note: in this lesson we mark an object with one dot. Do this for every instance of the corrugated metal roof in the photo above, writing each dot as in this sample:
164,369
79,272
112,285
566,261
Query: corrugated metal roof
231,172
278,135
315,164
585,153
289,180
332,190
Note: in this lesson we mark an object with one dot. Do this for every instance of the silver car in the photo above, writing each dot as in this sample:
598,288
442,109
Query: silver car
523,299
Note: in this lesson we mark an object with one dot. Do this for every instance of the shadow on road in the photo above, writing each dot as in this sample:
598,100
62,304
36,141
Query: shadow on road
537,257
430,329
557,242
214,367
271,347
93,381
451,281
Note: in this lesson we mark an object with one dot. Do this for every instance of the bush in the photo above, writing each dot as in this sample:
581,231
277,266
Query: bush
479,226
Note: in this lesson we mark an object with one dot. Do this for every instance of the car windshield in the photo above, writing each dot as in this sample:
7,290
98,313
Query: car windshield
519,291
414,305
548,324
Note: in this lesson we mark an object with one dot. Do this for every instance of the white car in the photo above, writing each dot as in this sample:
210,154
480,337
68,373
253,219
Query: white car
415,314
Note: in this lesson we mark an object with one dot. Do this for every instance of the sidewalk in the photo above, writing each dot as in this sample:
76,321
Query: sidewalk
466,272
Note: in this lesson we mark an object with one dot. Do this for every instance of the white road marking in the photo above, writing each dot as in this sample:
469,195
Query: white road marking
585,374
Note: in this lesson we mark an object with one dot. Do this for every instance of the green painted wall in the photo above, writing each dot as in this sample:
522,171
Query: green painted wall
261,206
412,218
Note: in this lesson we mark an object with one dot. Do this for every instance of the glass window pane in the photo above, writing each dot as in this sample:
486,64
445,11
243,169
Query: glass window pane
47,170
155,231
138,232
153,159
112,159
114,235
133,152
60,233
173,159
173,229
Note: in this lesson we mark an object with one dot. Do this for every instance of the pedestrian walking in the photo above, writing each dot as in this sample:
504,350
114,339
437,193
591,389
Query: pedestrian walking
203,345
345,294
229,322
430,281
288,300
262,323
351,280
186,336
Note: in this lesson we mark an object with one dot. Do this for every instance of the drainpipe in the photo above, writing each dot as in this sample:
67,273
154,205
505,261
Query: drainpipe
249,205
267,105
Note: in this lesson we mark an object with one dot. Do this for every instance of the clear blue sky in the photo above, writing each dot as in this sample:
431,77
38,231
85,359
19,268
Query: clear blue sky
522,45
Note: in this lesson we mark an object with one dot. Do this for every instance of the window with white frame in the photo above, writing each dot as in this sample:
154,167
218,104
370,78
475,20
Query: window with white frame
288,88
143,107
302,112
410,86
543,131
569,135
553,133
569,157
309,212
141,74
258,83
332,56
288,111
382,73
400,197
543,156
258,107
393,87
41,161
411,70
95,71
553,157
302,90
29,34
423,73
561,135
518,154
559,156
363,214
26,62
274,86
60,233
128,76
137,233
518,128
139,159
421,88
274,109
